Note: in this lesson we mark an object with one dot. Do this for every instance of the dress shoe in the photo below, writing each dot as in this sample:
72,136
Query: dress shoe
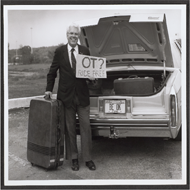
90,164
75,165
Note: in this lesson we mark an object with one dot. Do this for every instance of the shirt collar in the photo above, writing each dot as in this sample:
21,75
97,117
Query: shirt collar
69,47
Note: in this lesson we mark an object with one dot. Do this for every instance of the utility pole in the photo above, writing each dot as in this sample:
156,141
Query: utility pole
31,42
16,48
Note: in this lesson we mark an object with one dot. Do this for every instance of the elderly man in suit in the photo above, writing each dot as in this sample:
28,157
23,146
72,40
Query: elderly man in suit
74,94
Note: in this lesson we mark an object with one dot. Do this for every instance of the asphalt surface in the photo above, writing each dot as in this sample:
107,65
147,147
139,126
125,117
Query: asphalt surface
129,158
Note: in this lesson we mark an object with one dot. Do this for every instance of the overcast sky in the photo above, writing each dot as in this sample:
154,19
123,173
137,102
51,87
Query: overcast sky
46,25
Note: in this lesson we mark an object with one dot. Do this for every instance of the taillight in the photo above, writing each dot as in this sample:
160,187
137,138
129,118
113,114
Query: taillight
173,110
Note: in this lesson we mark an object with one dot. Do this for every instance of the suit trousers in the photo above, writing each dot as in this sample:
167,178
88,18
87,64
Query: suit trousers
85,130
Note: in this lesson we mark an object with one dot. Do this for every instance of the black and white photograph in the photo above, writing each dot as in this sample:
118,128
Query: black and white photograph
95,95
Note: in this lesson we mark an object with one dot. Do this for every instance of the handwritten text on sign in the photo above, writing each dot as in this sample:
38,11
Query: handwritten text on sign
90,67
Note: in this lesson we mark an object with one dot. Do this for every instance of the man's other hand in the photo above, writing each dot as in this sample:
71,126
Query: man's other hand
92,78
48,94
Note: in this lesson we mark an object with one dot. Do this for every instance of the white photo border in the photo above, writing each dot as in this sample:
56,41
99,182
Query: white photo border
95,182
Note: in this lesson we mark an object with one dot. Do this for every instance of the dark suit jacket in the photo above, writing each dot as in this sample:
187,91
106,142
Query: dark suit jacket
68,83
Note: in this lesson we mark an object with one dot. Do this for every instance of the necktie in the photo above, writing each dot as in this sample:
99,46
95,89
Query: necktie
73,60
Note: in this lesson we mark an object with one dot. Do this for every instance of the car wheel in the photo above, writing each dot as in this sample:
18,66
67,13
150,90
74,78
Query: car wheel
178,138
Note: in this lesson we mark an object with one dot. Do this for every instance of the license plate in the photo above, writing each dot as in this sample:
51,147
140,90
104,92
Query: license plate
115,106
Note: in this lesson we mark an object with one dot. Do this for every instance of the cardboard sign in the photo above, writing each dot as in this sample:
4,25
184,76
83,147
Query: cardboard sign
90,67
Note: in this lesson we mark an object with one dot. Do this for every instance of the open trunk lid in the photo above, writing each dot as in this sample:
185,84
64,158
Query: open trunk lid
124,40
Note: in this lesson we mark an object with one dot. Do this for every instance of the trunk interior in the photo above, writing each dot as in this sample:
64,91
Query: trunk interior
106,87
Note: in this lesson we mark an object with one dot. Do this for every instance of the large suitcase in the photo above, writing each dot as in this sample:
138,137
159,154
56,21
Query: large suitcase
46,126
134,86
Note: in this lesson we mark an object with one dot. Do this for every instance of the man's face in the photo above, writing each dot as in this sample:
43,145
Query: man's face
73,36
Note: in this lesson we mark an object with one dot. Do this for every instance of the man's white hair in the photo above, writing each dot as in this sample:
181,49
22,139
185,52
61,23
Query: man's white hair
75,26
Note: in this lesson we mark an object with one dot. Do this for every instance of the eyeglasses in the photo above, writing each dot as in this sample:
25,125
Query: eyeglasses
72,33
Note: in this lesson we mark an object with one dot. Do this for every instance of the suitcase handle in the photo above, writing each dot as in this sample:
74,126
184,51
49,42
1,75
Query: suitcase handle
133,76
47,97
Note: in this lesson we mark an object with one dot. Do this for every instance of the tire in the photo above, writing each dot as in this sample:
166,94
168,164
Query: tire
178,138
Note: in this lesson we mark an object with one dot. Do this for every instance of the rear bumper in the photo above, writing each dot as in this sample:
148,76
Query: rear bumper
130,122
120,128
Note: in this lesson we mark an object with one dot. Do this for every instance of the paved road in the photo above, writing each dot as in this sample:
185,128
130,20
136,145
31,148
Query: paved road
130,158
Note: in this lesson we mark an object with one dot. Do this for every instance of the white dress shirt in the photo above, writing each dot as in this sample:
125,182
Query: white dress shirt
74,52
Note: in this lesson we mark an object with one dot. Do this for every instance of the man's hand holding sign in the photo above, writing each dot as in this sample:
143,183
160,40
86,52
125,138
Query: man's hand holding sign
90,67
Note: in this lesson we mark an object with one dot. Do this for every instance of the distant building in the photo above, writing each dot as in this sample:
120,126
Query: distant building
23,56
17,60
